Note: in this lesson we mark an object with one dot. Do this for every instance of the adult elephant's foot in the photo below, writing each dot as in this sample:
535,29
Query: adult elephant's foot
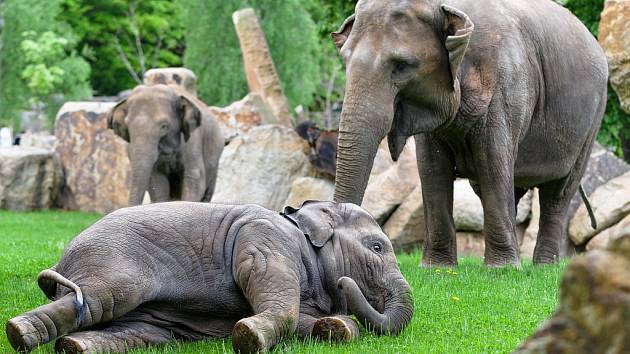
335,329
499,260
545,257
22,334
246,338
439,260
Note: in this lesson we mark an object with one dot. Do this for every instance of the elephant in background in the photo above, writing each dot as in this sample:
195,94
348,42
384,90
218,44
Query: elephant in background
509,94
201,270
174,144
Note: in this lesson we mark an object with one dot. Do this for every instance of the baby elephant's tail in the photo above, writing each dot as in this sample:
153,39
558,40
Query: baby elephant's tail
47,281
588,208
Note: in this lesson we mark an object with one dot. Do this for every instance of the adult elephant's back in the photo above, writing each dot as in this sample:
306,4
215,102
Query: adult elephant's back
564,71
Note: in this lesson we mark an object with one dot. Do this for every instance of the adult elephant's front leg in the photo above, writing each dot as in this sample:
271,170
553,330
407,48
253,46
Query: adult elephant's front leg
495,171
437,173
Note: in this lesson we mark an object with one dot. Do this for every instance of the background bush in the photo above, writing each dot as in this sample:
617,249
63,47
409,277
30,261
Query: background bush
27,20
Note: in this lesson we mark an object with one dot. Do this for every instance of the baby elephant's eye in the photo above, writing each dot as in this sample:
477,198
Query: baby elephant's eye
377,247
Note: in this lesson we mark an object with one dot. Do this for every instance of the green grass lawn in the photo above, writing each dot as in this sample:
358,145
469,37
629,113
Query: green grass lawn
470,309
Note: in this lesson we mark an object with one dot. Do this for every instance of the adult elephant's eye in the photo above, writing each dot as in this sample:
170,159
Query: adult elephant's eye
404,67
377,247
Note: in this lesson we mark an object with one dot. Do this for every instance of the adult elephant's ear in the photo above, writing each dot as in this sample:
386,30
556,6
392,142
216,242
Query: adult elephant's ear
191,116
341,36
116,120
315,219
459,28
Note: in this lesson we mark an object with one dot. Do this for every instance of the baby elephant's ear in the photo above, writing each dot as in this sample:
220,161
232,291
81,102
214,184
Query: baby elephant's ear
314,219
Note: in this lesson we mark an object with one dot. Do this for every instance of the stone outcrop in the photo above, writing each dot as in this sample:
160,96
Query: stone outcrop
309,188
601,240
30,178
93,158
243,115
260,167
528,241
594,311
385,192
172,76
260,70
470,244
468,210
614,37
610,202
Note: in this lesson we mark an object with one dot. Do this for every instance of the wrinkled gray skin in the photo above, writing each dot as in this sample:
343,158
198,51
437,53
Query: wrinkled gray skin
181,270
507,93
174,144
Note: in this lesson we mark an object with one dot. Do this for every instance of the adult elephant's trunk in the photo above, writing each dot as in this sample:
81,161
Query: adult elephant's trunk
365,121
398,306
143,156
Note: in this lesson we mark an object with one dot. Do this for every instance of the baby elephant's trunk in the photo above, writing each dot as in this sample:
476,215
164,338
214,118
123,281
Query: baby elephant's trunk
48,322
398,306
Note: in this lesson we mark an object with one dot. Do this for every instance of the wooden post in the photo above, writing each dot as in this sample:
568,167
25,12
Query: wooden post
262,76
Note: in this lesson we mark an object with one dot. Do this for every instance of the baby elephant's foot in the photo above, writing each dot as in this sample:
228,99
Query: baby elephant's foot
22,335
246,338
336,329
70,345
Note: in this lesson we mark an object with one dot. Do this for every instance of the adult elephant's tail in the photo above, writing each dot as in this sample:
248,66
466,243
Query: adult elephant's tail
588,208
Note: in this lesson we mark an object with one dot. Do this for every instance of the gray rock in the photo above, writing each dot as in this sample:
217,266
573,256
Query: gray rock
260,167
29,178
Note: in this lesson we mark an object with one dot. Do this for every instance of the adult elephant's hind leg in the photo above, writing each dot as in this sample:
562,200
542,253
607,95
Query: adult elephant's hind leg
555,198
117,337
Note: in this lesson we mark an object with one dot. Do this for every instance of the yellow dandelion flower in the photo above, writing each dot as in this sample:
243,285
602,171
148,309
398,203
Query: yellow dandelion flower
455,298
437,270
454,273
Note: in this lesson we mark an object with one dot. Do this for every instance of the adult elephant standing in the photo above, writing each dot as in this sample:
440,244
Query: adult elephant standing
509,94
174,144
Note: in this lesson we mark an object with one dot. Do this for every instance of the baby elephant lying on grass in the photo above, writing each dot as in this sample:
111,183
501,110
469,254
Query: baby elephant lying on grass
152,274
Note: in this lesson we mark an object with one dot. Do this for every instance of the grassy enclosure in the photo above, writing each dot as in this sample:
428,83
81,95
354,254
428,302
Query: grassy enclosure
468,309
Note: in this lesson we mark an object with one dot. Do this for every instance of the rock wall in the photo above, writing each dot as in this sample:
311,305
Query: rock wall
614,36
93,158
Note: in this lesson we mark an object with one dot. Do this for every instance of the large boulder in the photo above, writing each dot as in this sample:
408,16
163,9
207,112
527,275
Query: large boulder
610,202
406,226
30,178
594,311
387,190
614,36
94,159
182,77
260,167
243,115
309,188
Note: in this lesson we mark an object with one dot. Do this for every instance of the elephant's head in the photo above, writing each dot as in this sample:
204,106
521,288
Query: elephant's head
402,62
153,119
358,263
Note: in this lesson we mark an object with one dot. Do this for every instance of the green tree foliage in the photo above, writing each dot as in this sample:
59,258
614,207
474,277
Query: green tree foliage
616,124
213,51
124,38
36,59
53,67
